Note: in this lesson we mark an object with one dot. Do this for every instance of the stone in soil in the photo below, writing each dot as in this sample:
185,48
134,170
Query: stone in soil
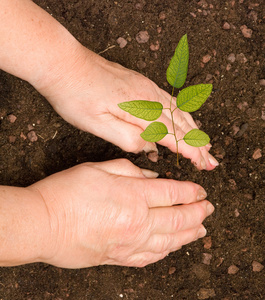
142,37
32,136
232,270
121,42
206,58
226,26
11,118
257,154
247,32
231,58
206,293
206,258
256,266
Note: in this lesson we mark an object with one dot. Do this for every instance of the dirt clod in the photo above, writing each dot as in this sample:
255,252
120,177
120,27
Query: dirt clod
204,293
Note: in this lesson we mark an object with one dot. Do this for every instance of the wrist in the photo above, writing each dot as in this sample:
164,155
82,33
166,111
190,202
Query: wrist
24,226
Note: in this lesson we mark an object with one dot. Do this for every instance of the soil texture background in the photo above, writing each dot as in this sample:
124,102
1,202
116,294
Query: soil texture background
226,40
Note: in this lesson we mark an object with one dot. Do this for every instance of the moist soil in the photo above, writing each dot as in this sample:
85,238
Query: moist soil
35,142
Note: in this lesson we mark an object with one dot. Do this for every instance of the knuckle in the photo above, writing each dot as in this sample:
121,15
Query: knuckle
173,192
178,220
201,211
133,144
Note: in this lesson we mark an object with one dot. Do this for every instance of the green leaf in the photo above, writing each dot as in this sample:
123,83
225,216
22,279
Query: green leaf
143,109
196,138
192,98
178,66
154,132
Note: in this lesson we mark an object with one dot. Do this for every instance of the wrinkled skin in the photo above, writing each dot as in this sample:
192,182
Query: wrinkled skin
88,98
129,220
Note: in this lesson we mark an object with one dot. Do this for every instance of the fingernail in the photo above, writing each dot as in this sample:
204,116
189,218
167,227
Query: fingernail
150,147
149,173
201,194
208,146
201,232
213,161
209,209
203,163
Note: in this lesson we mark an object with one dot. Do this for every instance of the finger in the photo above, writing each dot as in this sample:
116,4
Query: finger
123,134
124,167
161,243
167,192
144,258
178,218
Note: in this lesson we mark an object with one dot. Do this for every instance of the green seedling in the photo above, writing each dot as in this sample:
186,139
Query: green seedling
188,99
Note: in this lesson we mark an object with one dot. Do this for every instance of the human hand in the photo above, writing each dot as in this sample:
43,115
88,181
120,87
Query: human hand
88,98
110,213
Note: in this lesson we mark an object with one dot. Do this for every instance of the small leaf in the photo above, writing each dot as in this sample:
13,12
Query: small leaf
154,132
143,109
196,138
178,66
192,98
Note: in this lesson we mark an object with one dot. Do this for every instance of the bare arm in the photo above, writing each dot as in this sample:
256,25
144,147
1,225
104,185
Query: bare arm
24,226
34,46
99,213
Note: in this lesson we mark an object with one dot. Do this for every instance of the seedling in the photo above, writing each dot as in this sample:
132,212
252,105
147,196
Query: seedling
188,99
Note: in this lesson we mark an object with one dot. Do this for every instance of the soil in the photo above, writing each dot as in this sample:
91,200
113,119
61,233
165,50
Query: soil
35,142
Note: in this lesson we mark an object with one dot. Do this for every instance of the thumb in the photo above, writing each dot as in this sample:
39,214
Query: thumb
124,134
124,167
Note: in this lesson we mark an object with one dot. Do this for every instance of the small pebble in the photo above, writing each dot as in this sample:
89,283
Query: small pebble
242,130
159,29
253,5
139,5
253,15
205,293
262,82
236,212
232,270
206,58
193,14
32,136
121,42
11,118
171,270
162,15
203,3
155,46
256,266
226,26
30,127
231,58
22,135
168,174
228,67
12,139
257,154
142,37
247,32
208,77
206,258
141,64
241,58
207,241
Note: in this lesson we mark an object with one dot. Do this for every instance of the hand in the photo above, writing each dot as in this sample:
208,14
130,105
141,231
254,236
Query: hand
88,95
110,213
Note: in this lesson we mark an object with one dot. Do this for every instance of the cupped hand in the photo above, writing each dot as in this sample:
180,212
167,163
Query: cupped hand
111,213
88,98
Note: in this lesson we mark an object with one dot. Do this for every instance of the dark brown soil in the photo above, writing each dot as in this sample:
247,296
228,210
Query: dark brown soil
234,117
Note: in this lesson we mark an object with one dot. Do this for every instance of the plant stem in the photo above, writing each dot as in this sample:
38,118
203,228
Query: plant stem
173,125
